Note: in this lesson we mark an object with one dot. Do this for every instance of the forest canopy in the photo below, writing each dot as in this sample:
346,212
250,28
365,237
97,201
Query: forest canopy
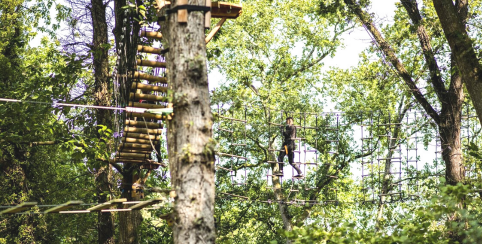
388,149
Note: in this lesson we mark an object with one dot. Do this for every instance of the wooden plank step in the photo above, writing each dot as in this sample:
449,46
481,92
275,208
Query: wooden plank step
142,136
225,10
151,34
218,9
142,124
140,141
144,204
150,78
147,49
150,63
146,87
63,207
135,145
107,204
19,208
131,155
131,161
128,150
147,97
142,130
146,105
147,116
134,160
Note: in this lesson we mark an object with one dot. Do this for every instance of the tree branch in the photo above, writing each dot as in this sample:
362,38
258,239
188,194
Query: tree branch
305,66
423,37
452,18
117,167
390,54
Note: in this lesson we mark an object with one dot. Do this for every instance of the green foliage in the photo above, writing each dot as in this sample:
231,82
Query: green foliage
272,57
431,222
29,171
144,13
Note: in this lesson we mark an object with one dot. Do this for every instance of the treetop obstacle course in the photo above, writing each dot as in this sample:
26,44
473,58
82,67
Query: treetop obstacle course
393,155
392,159
406,171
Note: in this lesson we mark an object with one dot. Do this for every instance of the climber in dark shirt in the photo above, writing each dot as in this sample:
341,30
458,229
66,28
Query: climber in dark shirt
289,134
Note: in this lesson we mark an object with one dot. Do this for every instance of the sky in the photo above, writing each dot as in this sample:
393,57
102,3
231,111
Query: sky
358,40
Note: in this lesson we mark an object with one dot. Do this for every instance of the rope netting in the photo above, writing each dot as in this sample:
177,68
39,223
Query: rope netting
390,156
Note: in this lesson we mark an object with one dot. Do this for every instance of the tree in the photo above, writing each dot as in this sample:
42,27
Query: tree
453,19
419,29
449,92
191,148
103,97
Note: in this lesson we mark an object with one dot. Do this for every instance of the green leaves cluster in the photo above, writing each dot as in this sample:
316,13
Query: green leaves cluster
431,222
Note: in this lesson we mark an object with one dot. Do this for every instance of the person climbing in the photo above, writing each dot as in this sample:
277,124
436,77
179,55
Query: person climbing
289,133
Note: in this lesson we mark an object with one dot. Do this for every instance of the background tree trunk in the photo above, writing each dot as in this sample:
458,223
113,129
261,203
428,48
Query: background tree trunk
129,221
190,143
449,128
102,96
280,197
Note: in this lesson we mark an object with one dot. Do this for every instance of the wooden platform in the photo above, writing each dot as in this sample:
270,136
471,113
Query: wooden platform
225,10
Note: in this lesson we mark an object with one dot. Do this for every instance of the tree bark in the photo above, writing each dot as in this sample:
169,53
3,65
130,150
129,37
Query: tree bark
102,96
105,225
190,143
449,128
453,17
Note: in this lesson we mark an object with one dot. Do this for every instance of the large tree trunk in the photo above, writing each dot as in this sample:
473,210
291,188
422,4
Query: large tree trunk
449,128
283,206
105,225
453,17
102,96
190,143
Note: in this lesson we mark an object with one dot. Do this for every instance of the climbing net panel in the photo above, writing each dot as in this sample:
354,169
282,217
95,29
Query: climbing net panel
391,156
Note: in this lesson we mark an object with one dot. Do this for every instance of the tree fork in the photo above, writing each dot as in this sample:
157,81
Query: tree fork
452,18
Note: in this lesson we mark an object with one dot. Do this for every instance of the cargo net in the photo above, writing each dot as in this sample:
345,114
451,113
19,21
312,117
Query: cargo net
389,156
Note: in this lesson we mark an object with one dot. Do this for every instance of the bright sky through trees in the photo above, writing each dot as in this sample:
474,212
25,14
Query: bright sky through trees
354,42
